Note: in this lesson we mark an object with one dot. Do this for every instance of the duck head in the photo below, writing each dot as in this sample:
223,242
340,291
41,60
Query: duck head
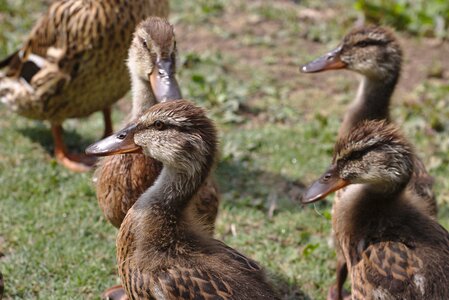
152,58
372,51
176,133
375,153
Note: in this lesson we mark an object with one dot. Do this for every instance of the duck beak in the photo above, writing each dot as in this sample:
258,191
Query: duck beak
328,183
329,61
163,81
118,143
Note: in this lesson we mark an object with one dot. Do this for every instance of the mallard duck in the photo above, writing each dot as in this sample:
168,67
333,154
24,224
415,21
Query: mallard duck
72,64
162,252
393,248
375,53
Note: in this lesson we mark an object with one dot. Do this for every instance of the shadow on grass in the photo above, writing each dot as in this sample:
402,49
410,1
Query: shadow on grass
245,185
288,291
41,134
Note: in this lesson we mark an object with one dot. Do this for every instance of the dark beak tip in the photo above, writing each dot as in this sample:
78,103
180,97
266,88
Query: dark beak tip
307,199
304,200
92,150
314,193
303,69
311,67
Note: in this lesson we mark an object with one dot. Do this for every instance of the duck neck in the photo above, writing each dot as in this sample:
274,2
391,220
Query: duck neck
371,103
160,213
172,190
142,96
362,213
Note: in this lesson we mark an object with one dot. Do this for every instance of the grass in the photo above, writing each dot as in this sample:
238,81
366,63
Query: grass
240,60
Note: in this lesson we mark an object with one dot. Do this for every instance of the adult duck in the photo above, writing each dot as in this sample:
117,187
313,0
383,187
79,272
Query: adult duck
72,64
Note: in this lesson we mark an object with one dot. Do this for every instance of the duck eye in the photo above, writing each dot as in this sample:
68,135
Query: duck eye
159,125
356,155
144,43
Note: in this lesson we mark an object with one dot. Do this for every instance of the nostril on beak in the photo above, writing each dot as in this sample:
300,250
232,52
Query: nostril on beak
329,57
121,136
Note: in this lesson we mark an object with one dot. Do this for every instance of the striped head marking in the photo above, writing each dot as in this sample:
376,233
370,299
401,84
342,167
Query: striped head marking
375,153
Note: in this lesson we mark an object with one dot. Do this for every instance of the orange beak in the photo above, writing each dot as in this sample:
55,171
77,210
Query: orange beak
118,143
329,61
163,81
328,183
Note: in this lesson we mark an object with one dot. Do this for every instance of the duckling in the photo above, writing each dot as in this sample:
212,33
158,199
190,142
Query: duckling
74,54
393,248
162,252
375,53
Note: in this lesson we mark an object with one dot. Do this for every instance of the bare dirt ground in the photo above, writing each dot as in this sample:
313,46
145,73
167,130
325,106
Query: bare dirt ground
424,57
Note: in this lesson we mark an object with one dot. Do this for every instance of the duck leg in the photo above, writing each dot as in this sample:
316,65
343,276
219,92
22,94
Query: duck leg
1,286
337,292
115,293
73,162
108,130
342,274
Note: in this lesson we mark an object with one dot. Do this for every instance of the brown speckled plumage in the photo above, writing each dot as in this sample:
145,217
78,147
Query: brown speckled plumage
82,45
162,253
393,248
121,179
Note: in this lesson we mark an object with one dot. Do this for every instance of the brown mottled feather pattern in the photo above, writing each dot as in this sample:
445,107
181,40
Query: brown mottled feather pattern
121,179
405,271
85,43
170,277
